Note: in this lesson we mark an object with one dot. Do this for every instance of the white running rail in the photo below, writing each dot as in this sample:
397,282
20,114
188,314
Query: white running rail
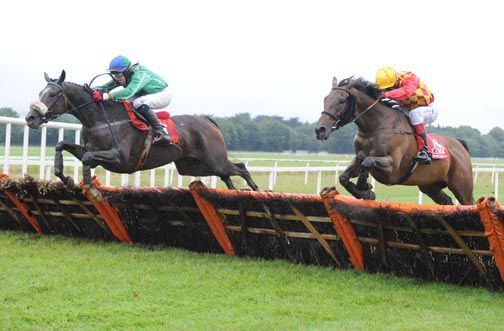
45,163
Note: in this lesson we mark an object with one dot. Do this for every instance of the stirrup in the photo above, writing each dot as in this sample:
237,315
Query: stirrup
161,138
423,157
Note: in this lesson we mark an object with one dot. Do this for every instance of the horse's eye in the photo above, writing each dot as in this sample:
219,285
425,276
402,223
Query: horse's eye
52,95
341,101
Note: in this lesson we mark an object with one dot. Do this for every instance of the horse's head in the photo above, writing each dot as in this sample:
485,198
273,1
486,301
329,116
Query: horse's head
339,109
51,103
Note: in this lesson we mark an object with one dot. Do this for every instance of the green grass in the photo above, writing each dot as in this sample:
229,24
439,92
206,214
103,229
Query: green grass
60,283
286,182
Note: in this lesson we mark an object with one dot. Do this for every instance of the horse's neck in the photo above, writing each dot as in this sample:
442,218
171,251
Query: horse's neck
377,118
91,115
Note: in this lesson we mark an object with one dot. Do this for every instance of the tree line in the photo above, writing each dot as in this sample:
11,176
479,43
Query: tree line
243,132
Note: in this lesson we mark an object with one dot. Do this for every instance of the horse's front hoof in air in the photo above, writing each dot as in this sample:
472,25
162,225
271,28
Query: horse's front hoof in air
368,195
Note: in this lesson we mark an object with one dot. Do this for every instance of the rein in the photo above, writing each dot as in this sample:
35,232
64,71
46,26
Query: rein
367,109
60,93
337,120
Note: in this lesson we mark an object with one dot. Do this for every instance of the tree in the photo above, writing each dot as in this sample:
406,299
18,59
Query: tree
8,112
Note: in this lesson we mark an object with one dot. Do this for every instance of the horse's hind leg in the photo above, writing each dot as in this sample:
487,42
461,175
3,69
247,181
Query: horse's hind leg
463,190
229,182
244,173
238,169
435,192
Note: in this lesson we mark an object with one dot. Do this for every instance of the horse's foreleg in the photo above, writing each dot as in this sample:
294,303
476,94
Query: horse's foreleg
96,158
86,176
361,166
352,171
363,186
74,149
93,159
382,164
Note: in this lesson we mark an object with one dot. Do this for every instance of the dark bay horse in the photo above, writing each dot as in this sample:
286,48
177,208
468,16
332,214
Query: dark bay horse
113,143
385,145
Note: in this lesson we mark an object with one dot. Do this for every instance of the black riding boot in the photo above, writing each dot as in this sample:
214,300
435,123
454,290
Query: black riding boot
162,137
423,156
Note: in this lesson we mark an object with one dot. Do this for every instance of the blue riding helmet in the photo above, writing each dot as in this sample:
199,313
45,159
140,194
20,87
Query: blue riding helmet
119,64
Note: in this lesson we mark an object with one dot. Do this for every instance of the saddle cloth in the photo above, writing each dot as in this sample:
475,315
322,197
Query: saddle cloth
436,148
163,116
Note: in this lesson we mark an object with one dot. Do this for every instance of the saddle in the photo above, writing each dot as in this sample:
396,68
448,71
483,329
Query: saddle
436,148
163,116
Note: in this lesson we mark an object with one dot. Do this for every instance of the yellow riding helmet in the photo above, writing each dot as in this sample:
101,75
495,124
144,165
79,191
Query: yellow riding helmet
385,77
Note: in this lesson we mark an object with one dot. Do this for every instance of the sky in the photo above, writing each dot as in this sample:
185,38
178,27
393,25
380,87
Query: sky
262,57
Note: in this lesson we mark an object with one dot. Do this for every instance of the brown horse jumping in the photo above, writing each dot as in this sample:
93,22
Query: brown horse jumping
385,146
112,142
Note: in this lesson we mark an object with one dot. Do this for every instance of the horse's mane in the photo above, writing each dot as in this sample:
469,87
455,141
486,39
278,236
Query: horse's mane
370,89
75,84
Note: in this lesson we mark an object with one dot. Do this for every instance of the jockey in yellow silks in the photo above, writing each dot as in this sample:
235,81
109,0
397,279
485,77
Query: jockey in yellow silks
413,95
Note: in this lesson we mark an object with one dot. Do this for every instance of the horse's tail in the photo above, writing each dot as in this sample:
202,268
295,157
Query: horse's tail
212,121
463,144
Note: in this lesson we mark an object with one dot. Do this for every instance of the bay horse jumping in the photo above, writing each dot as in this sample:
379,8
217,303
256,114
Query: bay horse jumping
385,145
113,143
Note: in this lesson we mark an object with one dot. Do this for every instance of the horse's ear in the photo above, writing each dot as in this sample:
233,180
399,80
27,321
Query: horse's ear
334,82
61,78
47,78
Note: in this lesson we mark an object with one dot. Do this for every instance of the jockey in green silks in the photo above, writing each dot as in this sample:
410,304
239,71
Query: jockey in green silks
146,89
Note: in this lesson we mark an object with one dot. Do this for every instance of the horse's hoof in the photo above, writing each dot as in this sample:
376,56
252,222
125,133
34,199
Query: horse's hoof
70,184
368,195
94,194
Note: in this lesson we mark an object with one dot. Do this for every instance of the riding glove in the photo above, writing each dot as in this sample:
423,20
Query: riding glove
97,96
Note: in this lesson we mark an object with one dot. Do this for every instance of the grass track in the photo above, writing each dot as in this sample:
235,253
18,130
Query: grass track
59,283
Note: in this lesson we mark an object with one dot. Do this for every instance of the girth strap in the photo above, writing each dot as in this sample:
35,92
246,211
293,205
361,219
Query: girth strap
408,173
145,150
103,126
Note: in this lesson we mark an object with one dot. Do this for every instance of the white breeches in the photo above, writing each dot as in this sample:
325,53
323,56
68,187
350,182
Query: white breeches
423,114
154,101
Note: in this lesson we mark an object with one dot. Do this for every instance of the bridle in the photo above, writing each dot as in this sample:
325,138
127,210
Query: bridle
344,118
48,116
